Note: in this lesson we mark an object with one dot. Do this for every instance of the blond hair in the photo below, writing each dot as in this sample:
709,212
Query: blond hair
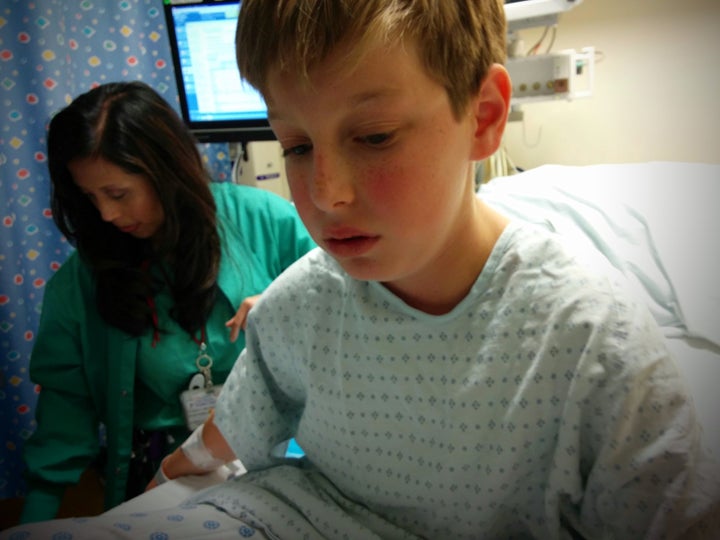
457,40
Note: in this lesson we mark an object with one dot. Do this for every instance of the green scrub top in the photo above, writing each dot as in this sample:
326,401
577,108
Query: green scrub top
165,367
92,374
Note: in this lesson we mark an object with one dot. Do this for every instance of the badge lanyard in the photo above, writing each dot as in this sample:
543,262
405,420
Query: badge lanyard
203,361
200,397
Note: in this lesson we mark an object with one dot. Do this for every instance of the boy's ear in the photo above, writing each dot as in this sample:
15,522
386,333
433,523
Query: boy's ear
491,106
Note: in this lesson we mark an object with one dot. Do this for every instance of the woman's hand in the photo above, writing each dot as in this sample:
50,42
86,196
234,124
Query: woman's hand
239,321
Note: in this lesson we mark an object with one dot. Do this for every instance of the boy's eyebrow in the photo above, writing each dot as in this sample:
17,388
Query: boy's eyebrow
361,98
372,95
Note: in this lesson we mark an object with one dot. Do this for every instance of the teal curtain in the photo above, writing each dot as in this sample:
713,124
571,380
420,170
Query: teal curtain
50,52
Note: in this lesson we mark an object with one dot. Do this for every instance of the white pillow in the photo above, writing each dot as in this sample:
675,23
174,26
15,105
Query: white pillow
655,222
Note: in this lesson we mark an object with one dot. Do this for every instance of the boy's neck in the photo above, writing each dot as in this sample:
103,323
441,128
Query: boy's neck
461,263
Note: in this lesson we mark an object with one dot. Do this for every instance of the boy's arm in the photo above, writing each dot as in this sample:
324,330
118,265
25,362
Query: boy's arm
204,451
646,471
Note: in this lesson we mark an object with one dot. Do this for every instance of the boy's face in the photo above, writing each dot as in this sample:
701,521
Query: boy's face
378,166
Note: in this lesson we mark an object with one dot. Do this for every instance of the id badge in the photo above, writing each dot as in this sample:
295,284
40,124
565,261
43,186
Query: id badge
197,404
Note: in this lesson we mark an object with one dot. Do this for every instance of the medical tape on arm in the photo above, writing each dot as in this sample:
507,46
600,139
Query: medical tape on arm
160,477
195,450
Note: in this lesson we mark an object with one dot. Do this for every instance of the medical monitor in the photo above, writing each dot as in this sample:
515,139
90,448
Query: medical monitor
215,104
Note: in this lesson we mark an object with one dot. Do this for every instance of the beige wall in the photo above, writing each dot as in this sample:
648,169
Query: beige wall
656,93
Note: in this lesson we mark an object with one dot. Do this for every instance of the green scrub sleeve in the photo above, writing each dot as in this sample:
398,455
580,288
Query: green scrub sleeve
42,503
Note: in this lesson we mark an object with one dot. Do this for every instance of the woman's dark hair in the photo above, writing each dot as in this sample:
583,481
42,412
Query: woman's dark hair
131,126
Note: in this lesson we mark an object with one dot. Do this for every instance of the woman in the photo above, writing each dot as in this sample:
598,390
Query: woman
143,321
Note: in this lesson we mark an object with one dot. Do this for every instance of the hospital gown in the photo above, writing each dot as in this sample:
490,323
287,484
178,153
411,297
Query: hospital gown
545,401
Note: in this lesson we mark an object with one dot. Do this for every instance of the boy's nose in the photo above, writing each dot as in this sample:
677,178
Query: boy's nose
331,185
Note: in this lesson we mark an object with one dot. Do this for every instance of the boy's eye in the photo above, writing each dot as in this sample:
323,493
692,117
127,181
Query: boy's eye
299,150
376,139
116,195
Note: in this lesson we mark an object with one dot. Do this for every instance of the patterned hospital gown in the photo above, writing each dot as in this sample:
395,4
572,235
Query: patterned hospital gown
544,402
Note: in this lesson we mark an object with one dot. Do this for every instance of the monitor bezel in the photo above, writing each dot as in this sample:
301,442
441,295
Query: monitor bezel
210,131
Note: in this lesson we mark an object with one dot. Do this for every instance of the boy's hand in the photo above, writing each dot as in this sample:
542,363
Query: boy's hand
152,485
172,466
178,463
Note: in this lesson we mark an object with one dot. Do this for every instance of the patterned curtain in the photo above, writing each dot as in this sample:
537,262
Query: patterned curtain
50,52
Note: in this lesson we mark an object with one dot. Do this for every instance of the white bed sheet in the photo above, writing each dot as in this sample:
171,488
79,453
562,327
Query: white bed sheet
656,222
699,362
174,492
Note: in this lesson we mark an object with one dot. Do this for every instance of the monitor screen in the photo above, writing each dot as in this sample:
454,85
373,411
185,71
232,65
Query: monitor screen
215,103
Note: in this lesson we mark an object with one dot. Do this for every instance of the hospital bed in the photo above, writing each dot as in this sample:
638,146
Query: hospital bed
657,223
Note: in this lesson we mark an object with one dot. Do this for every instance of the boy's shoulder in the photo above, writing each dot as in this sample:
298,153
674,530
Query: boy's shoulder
314,269
313,272
536,261
537,247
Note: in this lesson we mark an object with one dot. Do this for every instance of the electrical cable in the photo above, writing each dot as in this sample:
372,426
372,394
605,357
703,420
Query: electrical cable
552,39
533,50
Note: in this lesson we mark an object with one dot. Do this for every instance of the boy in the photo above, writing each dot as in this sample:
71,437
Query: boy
448,373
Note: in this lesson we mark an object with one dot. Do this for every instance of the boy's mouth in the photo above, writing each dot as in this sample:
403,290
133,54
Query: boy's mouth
350,245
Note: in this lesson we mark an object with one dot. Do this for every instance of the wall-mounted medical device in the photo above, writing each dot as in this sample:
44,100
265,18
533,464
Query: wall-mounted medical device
552,75
566,74
261,165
